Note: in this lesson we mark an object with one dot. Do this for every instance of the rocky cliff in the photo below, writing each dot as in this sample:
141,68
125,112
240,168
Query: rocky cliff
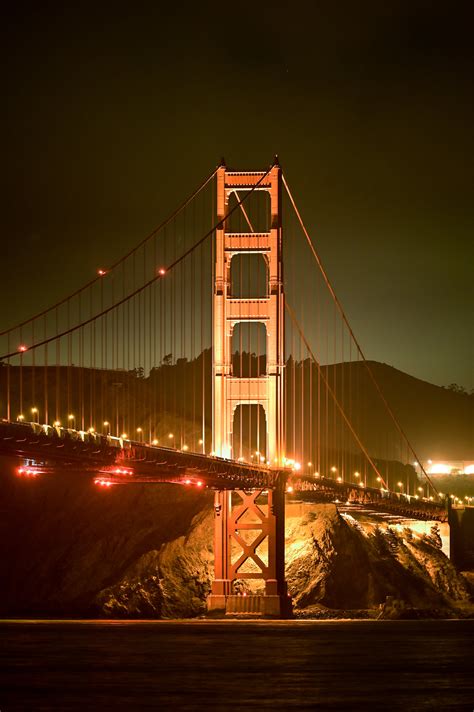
68,548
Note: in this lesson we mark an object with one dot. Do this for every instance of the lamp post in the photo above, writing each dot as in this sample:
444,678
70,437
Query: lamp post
35,414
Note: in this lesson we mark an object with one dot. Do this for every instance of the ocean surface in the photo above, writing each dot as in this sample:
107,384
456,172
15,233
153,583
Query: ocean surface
236,665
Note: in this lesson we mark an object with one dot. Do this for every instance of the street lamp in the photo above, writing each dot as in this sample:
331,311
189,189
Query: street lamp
140,434
106,425
171,437
72,420
35,414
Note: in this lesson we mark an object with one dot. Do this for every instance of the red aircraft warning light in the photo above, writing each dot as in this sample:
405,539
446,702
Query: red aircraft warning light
22,348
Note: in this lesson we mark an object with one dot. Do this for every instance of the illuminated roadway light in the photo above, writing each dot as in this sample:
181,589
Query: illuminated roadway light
339,479
212,454
379,479
139,430
34,411
240,459
22,348
91,430
21,417
57,424
310,464
399,484
155,442
361,484
297,466
289,489
333,469
106,423
185,447
262,459
124,436
170,435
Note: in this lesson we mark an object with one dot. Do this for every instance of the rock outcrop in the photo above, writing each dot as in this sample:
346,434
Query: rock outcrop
69,548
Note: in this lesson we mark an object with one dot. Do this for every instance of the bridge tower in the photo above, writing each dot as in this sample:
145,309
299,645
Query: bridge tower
256,524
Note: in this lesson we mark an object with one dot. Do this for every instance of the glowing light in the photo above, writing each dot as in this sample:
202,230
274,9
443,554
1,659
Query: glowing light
106,423
297,466
71,417
170,435
162,271
262,459
310,464
399,484
356,474
101,272
199,483
469,470
139,430
420,489
124,436
240,459
212,454
257,453
155,442
185,448
200,441
20,417
379,479
333,469
289,489
430,462
187,482
439,468
56,424
34,411
361,484
339,479
22,348
91,430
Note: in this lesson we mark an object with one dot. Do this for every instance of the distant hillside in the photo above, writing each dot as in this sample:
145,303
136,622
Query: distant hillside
439,422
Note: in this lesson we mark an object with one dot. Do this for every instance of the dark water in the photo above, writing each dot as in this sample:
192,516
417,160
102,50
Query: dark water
352,665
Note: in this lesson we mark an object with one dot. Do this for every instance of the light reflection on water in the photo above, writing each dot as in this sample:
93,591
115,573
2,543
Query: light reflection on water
228,665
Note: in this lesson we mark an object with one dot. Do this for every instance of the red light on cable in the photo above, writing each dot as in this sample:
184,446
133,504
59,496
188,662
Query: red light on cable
22,348
101,272
162,271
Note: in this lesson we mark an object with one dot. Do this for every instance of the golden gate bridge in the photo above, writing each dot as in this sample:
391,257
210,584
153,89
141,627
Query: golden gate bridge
215,354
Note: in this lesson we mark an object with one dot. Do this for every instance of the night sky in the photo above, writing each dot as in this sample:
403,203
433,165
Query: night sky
111,116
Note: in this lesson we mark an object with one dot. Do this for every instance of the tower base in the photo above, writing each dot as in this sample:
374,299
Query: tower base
252,605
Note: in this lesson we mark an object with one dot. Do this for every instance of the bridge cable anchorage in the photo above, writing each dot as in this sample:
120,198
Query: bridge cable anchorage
101,272
140,289
356,342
